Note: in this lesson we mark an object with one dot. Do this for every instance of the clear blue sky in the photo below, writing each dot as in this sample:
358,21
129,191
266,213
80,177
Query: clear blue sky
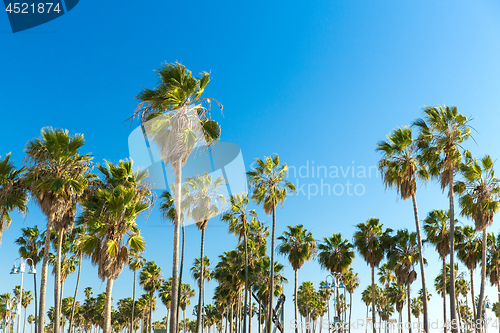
318,81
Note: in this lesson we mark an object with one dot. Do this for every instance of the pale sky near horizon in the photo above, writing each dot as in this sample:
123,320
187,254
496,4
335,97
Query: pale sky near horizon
319,83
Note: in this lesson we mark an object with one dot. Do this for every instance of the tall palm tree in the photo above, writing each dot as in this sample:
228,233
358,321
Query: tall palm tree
13,195
238,217
437,229
469,253
493,268
400,169
186,294
111,217
31,246
150,280
386,276
371,241
479,200
398,297
351,283
78,235
205,201
27,299
165,296
135,262
270,187
336,255
177,119
299,246
442,132
402,256
56,177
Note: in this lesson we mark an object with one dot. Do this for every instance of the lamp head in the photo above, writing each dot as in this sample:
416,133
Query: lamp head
32,270
14,270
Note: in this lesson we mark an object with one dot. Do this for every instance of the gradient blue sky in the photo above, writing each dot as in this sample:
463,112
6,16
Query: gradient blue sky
318,81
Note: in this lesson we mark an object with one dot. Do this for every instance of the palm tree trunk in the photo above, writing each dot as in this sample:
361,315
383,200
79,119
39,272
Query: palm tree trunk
271,291
472,293
373,298
231,315
498,290
409,305
133,307
350,311
202,278
43,282
444,295
175,260
246,285
57,285
107,308
483,275
366,328
295,302
250,312
34,281
180,271
453,307
421,262
258,321
151,311
184,316
74,298
24,324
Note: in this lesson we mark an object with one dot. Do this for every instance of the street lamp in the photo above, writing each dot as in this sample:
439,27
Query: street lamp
16,270
328,286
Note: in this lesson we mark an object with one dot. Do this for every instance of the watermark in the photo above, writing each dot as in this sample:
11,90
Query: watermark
393,324
26,14
334,180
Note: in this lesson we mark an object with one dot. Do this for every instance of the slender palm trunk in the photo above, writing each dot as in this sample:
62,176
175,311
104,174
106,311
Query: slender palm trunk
175,260
366,328
373,298
258,321
202,278
472,293
246,285
453,307
250,312
76,291
498,290
231,315
350,311
409,305
34,281
57,285
295,301
181,270
133,306
151,311
43,282
421,262
483,275
107,308
444,295
271,291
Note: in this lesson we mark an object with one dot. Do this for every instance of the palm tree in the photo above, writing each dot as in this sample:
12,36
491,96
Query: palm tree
402,257
372,242
27,299
181,123
186,294
270,187
442,133
367,298
397,296
135,262
13,195
205,202
31,320
386,277
400,168
78,235
469,253
30,246
437,229
336,255
479,200
111,213
56,177
151,280
165,295
494,263
238,218
299,246
351,283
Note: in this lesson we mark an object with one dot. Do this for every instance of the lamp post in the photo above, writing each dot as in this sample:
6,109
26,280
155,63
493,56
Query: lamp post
16,270
328,286
342,286
8,307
